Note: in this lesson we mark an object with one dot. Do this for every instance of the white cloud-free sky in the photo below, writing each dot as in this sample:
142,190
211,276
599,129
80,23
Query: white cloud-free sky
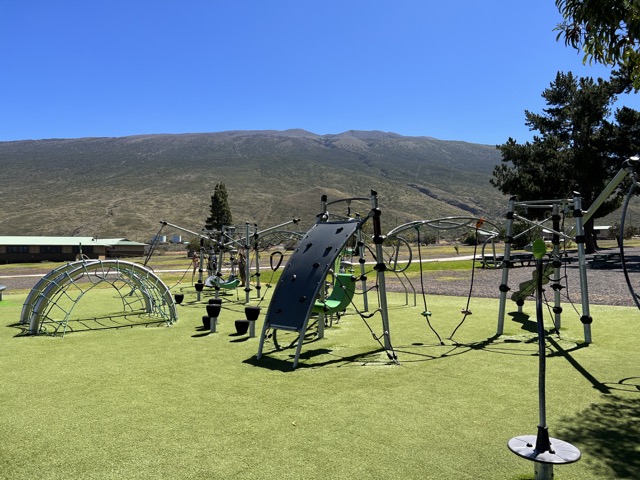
462,70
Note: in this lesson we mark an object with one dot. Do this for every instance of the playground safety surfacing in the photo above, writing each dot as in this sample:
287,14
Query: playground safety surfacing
179,402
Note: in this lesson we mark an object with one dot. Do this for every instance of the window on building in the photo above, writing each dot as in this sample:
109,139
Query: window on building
85,250
17,249
50,249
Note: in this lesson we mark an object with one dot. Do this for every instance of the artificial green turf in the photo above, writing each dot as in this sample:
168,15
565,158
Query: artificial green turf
176,402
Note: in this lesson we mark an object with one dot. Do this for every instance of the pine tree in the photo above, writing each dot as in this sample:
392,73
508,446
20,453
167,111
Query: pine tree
220,213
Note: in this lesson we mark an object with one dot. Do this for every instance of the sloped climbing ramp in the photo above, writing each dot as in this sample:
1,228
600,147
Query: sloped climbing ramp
303,276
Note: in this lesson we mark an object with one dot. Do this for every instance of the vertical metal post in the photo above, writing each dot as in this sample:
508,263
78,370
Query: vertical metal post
506,263
542,355
555,258
380,269
323,205
321,325
361,261
247,266
543,471
582,266
257,254
198,292
217,275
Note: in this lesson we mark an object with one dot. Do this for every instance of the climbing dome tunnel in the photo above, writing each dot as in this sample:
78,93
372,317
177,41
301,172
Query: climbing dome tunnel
49,306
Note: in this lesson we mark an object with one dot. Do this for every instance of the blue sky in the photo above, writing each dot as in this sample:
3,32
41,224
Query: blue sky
462,70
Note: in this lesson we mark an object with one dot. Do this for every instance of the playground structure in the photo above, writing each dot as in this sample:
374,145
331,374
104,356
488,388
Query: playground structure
53,299
575,233
298,294
322,254
482,229
301,283
216,245
556,206
144,299
228,243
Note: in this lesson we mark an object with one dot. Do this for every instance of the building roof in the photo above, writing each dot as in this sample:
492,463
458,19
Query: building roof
119,241
85,241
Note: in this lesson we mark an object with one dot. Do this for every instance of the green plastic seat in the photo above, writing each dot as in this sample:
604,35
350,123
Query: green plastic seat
341,296
230,284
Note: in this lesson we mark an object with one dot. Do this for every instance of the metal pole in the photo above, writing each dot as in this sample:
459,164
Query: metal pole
504,288
256,250
380,268
557,308
582,266
247,267
542,365
608,190
198,292
543,443
361,261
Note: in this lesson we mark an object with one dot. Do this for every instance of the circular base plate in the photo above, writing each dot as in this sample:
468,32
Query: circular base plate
562,452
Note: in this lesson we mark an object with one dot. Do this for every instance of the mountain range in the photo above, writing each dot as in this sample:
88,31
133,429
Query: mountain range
125,186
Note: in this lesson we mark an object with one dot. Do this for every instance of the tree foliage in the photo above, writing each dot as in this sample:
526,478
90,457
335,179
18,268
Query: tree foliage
220,213
607,31
580,146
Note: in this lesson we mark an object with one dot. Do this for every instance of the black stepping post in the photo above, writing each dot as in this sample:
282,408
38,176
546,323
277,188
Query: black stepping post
252,313
213,310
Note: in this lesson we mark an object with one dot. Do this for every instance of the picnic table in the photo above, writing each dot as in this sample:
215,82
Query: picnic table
496,262
604,260
518,259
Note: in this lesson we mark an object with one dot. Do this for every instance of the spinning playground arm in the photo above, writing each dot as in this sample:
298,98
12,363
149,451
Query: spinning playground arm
208,237
446,223
628,168
243,242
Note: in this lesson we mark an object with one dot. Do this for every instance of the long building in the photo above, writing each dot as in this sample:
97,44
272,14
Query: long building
21,249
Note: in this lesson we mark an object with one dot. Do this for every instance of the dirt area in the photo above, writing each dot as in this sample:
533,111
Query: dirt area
605,287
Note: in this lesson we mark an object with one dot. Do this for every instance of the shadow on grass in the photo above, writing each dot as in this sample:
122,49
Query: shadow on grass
609,432
78,325
238,337
282,365
528,325
451,349
560,352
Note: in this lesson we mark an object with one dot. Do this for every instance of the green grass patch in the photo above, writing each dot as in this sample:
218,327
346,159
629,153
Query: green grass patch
441,266
156,402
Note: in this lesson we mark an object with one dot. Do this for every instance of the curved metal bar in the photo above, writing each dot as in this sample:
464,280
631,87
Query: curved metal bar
153,292
623,260
444,223
40,285
364,199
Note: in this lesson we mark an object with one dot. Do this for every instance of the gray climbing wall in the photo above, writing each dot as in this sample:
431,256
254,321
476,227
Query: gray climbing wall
302,278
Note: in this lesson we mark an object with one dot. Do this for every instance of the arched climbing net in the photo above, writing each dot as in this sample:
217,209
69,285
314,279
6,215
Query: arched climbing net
51,304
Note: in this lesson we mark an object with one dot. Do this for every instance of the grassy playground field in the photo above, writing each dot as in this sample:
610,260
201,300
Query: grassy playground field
176,402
